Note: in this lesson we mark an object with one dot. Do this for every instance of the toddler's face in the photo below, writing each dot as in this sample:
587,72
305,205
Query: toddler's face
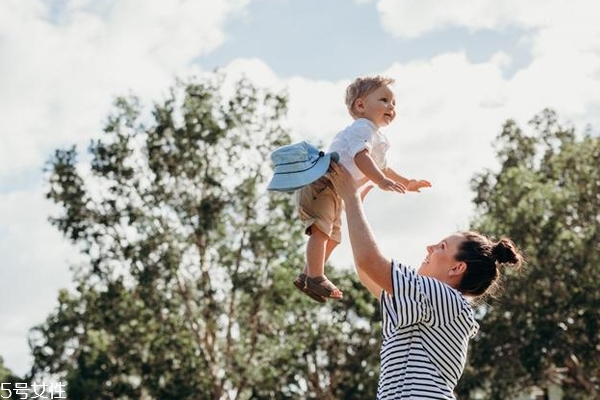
378,106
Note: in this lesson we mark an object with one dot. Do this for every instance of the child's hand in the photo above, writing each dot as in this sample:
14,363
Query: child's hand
391,186
414,185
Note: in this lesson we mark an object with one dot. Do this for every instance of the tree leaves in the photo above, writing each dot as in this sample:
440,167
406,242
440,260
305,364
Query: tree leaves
185,291
546,196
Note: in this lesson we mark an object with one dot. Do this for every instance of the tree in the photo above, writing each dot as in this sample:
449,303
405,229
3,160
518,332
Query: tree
8,380
185,291
545,326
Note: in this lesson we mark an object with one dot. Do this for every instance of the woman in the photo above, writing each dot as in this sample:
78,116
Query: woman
427,318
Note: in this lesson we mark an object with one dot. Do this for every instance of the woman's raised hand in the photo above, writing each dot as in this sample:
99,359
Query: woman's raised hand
342,181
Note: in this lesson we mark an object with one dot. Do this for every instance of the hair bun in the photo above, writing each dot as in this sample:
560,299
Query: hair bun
506,252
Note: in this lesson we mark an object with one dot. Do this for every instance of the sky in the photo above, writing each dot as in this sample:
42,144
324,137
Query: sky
462,68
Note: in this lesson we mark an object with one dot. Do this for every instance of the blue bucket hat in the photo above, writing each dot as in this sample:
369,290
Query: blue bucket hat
297,165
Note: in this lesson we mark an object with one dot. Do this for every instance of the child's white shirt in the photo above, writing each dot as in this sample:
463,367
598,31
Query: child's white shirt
360,135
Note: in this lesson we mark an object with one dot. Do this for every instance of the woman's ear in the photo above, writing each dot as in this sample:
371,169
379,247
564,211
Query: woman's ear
458,269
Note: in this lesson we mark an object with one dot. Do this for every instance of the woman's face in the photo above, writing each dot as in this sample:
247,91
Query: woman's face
440,262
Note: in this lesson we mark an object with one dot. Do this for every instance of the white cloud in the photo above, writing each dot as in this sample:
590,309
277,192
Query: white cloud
409,18
64,74
564,74
316,109
253,69
564,38
36,262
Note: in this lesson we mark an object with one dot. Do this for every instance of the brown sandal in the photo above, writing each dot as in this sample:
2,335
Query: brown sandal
301,283
318,288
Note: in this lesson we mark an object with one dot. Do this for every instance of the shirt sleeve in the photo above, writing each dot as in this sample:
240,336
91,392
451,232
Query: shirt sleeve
361,138
417,299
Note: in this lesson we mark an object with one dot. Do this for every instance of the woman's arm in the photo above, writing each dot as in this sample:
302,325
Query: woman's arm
367,282
367,256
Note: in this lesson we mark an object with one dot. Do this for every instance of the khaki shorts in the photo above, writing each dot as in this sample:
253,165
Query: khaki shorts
319,205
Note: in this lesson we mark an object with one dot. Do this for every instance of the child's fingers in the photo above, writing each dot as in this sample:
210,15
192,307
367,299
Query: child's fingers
399,188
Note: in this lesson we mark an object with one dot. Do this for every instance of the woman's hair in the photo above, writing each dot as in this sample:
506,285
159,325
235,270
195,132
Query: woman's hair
484,259
363,86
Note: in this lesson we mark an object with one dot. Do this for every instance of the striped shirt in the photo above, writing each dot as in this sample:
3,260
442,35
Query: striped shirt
426,330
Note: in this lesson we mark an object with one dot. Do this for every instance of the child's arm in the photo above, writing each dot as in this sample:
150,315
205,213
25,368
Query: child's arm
411,185
365,163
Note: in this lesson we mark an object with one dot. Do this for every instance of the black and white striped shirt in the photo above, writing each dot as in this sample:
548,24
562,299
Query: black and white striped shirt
426,330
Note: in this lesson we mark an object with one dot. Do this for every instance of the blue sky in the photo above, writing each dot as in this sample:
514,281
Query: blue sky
340,39
461,67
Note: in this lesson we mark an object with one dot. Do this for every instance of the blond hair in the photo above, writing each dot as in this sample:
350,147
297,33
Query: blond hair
362,86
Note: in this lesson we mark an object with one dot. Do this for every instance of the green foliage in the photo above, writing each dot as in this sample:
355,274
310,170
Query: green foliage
8,380
185,291
545,327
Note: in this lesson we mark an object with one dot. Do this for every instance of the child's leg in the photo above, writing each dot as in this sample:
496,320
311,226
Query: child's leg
320,207
318,250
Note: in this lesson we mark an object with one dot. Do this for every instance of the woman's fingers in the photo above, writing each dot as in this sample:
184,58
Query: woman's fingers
341,179
365,191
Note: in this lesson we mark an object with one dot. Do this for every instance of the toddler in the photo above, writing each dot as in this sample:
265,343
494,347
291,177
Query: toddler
362,149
